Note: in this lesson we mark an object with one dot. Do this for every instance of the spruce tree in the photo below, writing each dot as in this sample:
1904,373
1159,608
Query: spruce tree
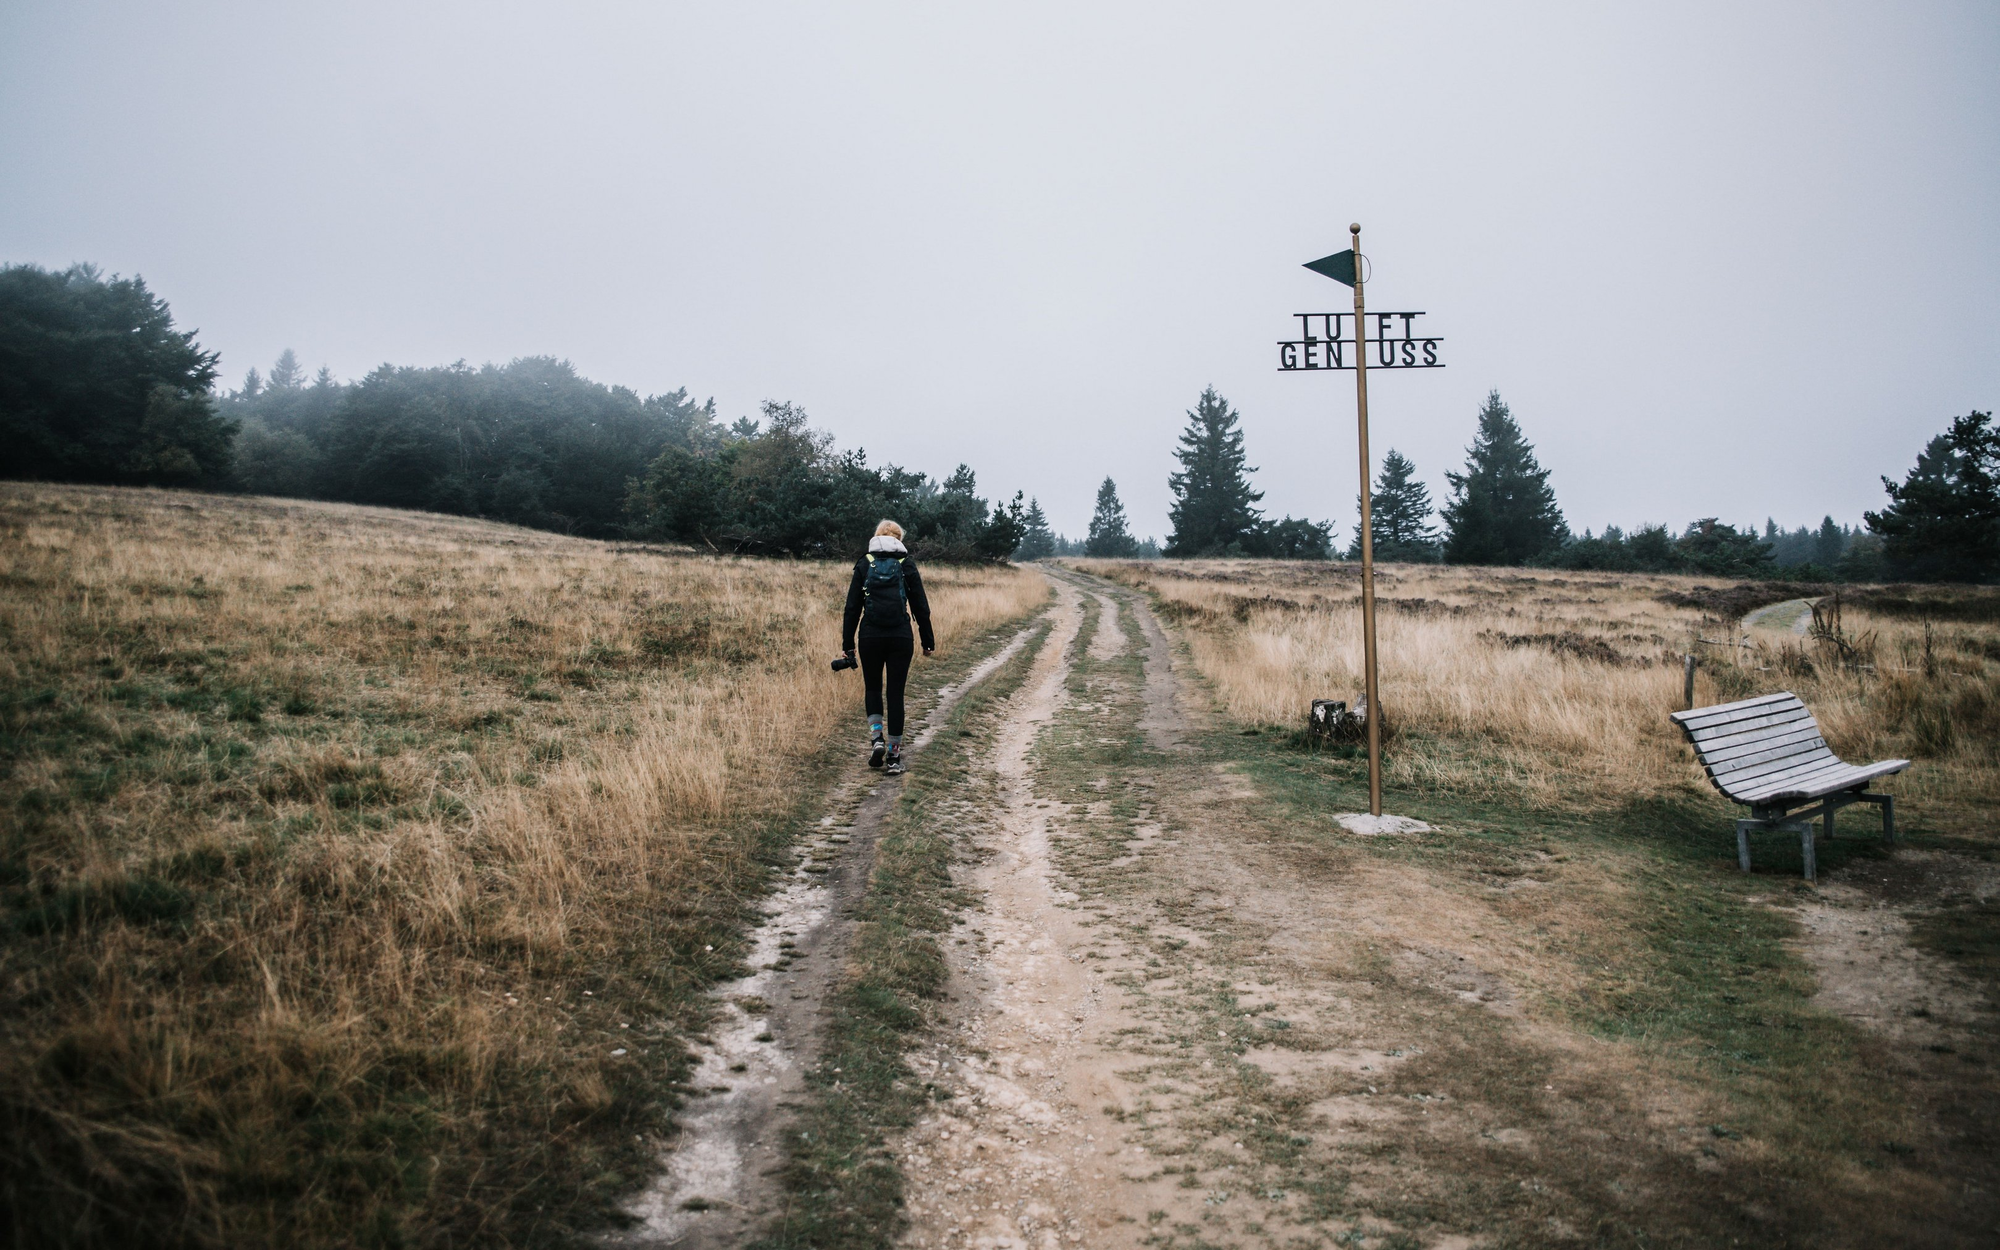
1720,550
287,375
1295,538
1108,536
1038,541
1399,513
1214,508
1943,523
1501,509
96,384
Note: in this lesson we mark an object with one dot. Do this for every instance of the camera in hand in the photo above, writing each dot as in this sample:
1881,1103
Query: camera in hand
845,661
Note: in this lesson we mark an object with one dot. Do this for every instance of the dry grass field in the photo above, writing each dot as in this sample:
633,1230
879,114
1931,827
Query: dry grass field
1554,688
360,870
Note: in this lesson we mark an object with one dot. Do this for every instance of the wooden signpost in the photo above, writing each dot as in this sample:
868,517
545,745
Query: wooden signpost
1330,351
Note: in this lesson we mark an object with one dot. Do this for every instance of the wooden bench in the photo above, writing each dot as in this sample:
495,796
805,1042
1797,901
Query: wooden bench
1767,754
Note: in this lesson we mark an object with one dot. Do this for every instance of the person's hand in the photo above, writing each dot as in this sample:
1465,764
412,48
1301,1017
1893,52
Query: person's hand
929,650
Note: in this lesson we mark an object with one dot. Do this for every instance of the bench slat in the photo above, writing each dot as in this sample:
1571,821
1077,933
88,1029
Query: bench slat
1743,725
1807,791
1703,717
1748,783
1779,770
1752,724
1852,778
1696,713
1783,735
1759,789
1801,743
1789,755
1769,736
1774,770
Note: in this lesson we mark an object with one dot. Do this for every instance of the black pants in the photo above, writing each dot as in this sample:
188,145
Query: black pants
892,655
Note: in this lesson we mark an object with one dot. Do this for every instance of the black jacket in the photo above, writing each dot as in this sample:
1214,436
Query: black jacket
913,592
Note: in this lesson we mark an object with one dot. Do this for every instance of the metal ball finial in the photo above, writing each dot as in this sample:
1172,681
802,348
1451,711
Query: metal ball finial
1354,227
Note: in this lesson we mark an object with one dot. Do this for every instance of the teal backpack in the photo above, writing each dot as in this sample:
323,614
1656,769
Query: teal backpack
883,602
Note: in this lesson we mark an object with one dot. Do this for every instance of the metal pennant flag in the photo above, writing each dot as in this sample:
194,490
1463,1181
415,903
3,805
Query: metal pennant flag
1339,266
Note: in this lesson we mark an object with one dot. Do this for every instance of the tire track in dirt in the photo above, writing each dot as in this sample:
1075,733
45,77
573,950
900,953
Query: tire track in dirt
718,1186
1033,1151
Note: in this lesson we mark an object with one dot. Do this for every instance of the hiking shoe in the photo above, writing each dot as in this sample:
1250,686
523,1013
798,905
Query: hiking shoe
894,767
876,750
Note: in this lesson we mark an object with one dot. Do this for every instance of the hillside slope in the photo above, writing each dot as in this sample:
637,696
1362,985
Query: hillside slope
360,870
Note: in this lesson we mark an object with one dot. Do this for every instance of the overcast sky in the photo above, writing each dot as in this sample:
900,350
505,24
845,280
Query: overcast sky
1735,259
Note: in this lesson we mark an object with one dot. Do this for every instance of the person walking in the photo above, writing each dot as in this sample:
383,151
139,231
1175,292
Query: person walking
885,593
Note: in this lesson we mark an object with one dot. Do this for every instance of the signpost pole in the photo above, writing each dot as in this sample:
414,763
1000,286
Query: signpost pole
1373,695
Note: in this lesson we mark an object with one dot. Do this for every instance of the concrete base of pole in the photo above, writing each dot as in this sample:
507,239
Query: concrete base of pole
1374,826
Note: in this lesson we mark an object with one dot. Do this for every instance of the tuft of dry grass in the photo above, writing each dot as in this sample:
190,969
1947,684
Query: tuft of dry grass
360,869
1554,687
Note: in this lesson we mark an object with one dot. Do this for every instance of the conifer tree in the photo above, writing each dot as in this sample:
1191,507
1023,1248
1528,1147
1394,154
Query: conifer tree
1214,508
1711,547
287,375
1108,536
1399,513
1038,541
96,384
1943,522
1501,509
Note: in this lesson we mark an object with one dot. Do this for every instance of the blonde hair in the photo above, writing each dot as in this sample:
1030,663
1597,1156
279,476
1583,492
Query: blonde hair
887,527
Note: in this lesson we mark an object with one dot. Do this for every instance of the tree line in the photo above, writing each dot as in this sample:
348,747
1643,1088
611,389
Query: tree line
1107,536
1942,522
97,385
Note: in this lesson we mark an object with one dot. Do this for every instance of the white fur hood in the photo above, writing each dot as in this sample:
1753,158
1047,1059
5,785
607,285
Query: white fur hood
882,544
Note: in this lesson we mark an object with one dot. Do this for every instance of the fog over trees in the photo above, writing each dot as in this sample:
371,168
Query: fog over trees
97,384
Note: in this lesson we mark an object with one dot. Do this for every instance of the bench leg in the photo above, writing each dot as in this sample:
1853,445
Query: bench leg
1889,818
1806,849
1826,814
1743,828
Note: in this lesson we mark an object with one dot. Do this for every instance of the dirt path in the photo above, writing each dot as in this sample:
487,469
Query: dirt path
1793,615
1035,1159
718,1187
